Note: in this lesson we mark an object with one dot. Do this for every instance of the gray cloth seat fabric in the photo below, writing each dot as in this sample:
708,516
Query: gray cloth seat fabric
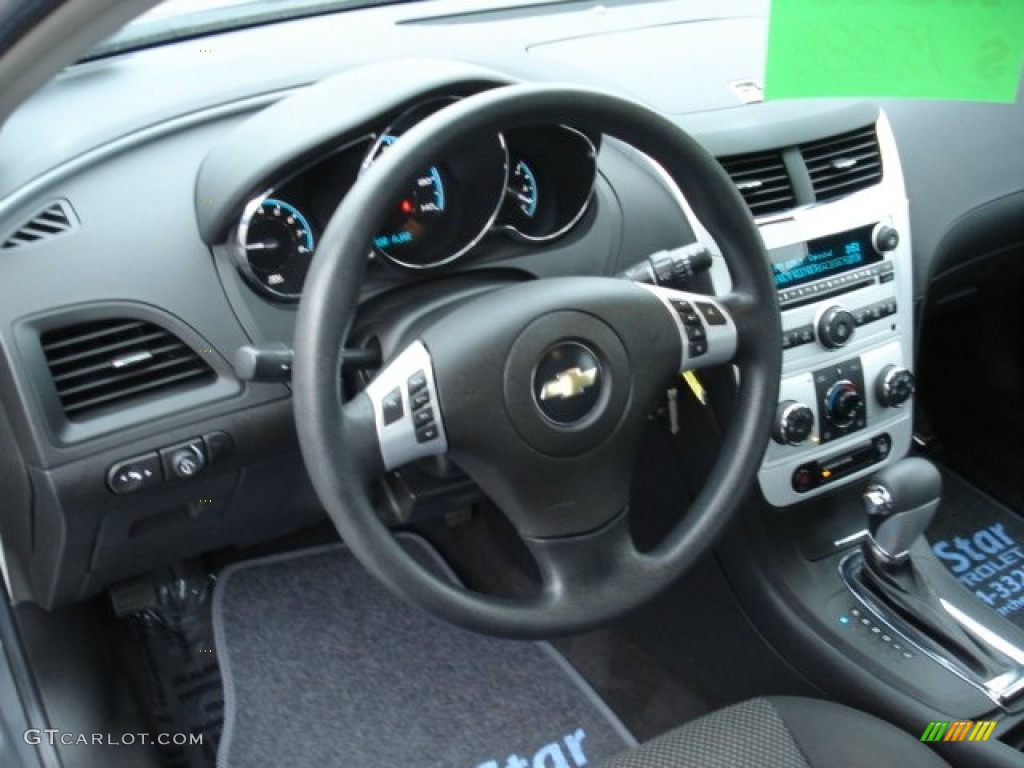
782,732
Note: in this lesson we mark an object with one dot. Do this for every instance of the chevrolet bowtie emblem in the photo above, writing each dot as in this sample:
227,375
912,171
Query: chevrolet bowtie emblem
568,383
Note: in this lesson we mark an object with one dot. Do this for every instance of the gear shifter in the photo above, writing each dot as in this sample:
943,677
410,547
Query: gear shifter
901,501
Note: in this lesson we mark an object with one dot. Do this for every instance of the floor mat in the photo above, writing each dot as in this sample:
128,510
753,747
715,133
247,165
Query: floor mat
981,542
323,667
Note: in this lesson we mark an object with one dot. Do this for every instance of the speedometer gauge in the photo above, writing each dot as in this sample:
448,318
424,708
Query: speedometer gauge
418,218
448,206
275,247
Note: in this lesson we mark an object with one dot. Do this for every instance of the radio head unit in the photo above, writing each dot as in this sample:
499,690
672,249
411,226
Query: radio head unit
809,271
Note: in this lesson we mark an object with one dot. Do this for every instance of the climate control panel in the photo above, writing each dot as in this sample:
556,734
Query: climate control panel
855,406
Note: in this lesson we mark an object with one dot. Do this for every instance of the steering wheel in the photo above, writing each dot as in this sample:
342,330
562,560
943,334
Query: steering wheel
537,391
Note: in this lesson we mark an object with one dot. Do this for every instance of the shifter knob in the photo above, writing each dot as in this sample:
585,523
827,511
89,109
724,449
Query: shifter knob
901,502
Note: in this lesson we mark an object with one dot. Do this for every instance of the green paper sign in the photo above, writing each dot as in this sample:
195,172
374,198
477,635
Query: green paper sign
968,50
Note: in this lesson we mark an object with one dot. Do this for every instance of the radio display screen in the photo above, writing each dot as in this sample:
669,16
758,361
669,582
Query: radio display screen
824,257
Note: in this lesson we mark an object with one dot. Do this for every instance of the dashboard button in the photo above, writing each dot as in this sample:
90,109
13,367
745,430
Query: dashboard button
185,461
135,474
219,446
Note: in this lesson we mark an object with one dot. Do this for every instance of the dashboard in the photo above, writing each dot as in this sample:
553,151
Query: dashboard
176,224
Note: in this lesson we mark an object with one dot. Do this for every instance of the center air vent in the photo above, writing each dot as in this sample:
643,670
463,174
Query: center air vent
106,363
762,179
843,164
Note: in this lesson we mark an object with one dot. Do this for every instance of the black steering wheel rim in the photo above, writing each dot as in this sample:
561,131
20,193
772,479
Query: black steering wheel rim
338,440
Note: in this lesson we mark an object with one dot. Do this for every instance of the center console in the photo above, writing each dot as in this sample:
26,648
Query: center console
843,274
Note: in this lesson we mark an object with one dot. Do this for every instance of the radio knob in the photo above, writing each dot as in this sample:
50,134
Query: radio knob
885,238
894,386
835,327
794,423
843,404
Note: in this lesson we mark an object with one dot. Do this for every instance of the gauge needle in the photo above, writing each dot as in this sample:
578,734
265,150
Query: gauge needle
520,196
264,245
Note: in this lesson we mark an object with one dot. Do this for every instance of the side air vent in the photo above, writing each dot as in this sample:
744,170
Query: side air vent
106,363
843,164
55,219
762,179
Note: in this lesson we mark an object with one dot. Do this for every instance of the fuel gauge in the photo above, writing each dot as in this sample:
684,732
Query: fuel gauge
522,189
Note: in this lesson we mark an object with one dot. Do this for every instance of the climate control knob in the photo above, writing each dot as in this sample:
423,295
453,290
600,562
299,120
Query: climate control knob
844,404
835,327
794,423
894,386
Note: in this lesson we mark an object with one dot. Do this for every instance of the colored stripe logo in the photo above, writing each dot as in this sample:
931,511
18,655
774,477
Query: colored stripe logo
959,730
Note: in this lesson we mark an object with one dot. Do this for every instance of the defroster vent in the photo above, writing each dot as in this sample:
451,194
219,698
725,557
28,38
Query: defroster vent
762,179
103,364
57,218
843,164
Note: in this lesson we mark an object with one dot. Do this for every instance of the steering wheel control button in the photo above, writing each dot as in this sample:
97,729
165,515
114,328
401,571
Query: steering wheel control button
419,399
567,383
135,474
427,433
696,335
417,382
392,407
712,314
413,430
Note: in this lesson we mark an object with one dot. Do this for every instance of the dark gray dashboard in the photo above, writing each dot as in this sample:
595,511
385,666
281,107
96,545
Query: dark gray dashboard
155,153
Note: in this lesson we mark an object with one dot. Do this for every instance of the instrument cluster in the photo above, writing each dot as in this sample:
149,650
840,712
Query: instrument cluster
531,184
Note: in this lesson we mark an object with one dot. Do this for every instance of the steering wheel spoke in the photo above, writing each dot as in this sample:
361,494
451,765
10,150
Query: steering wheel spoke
586,567
406,408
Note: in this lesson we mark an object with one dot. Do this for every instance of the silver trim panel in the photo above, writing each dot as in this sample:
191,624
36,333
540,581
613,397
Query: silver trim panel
1004,690
397,439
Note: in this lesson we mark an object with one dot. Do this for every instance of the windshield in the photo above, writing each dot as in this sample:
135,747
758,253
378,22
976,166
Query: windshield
182,19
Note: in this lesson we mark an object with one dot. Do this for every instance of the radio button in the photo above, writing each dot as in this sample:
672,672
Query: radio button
836,327
885,238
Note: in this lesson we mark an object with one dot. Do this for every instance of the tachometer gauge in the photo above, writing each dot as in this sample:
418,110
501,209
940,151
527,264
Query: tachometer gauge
275,247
